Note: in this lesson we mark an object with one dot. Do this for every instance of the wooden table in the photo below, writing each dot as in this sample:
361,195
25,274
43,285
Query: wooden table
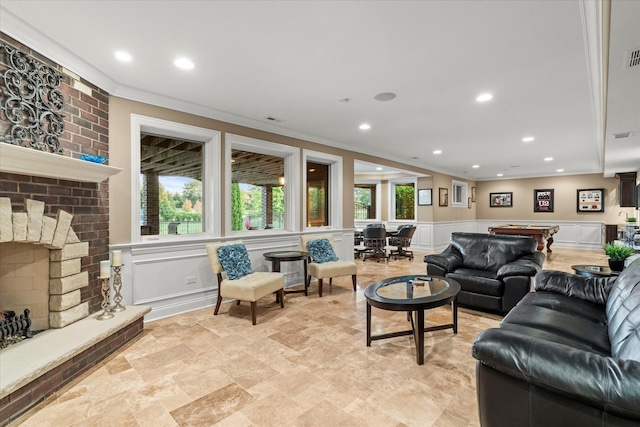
542,233
283,256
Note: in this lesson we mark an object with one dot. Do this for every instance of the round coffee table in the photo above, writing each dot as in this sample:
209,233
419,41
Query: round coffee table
413,294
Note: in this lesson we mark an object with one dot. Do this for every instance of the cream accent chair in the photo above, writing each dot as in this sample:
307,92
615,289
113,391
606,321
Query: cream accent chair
329,269
251,287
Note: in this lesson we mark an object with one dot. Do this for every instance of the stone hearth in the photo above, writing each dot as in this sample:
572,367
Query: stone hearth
32,370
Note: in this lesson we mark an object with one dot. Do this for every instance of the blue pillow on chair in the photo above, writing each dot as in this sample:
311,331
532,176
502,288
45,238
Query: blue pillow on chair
321,251
235,260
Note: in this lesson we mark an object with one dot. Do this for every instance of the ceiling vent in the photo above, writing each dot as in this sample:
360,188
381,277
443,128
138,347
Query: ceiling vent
632,58
273,119
622,135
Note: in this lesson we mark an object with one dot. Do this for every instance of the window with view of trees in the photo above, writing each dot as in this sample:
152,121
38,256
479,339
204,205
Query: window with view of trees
170,185
364,197
257,191
404,200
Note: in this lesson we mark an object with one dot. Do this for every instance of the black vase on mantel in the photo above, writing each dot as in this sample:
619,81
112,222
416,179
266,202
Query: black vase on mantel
616,265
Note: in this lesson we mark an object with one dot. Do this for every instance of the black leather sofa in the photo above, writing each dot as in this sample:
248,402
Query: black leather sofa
566,355
494,272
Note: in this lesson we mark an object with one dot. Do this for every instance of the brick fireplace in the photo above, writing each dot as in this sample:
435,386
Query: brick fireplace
54,220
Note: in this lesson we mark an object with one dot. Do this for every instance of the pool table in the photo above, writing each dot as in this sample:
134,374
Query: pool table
542,233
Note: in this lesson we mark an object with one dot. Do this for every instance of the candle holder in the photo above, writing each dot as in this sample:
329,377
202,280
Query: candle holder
106,311
117,286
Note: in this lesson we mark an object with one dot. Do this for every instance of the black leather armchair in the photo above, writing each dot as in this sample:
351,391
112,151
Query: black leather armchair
401,239
566,355
494,272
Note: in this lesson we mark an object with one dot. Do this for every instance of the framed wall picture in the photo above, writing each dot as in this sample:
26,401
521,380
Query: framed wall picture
473,194
543,200
590,200
443,196
501,200
424,197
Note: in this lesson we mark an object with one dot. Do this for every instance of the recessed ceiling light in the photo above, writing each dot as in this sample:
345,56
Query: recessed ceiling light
378,168
385,96
365,126
484,97
123,56
183,63
528,139
548,159
437,152
559,170
475,166
500,174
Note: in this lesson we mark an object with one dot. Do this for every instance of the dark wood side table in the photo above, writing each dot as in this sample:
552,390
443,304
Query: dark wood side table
284,256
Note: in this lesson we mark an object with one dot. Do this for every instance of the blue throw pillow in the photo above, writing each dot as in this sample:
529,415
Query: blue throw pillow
321,251
235,260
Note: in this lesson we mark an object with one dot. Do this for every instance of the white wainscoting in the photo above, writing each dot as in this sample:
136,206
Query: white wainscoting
582,235
434,237
155,274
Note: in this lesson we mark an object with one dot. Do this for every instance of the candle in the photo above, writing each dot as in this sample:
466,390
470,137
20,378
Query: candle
105,269
116,258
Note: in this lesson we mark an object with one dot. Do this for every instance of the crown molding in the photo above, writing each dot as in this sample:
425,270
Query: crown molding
21,31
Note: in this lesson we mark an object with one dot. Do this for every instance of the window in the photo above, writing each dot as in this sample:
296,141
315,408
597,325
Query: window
171,185
175,192
257,191
365,201
317,194
264,181
459,194
323,178
403,199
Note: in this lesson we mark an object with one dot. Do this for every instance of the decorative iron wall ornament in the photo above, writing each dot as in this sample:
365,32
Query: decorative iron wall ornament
31,102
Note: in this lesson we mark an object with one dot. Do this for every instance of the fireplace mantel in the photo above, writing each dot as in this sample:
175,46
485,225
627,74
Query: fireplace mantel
27,161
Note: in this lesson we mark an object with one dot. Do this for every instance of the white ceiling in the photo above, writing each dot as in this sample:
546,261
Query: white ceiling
295,60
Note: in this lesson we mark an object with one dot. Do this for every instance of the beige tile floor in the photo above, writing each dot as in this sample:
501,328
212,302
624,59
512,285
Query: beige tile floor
304,365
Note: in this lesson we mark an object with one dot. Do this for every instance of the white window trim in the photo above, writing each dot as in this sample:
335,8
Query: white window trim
210,183
291,174
392,197
335,186
378,184
465,193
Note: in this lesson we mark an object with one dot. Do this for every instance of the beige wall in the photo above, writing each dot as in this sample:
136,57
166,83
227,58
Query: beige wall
120,111
449,213
564,198
565,195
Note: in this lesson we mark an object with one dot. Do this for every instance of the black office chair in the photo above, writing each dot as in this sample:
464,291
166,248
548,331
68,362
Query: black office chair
401,239
375,242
